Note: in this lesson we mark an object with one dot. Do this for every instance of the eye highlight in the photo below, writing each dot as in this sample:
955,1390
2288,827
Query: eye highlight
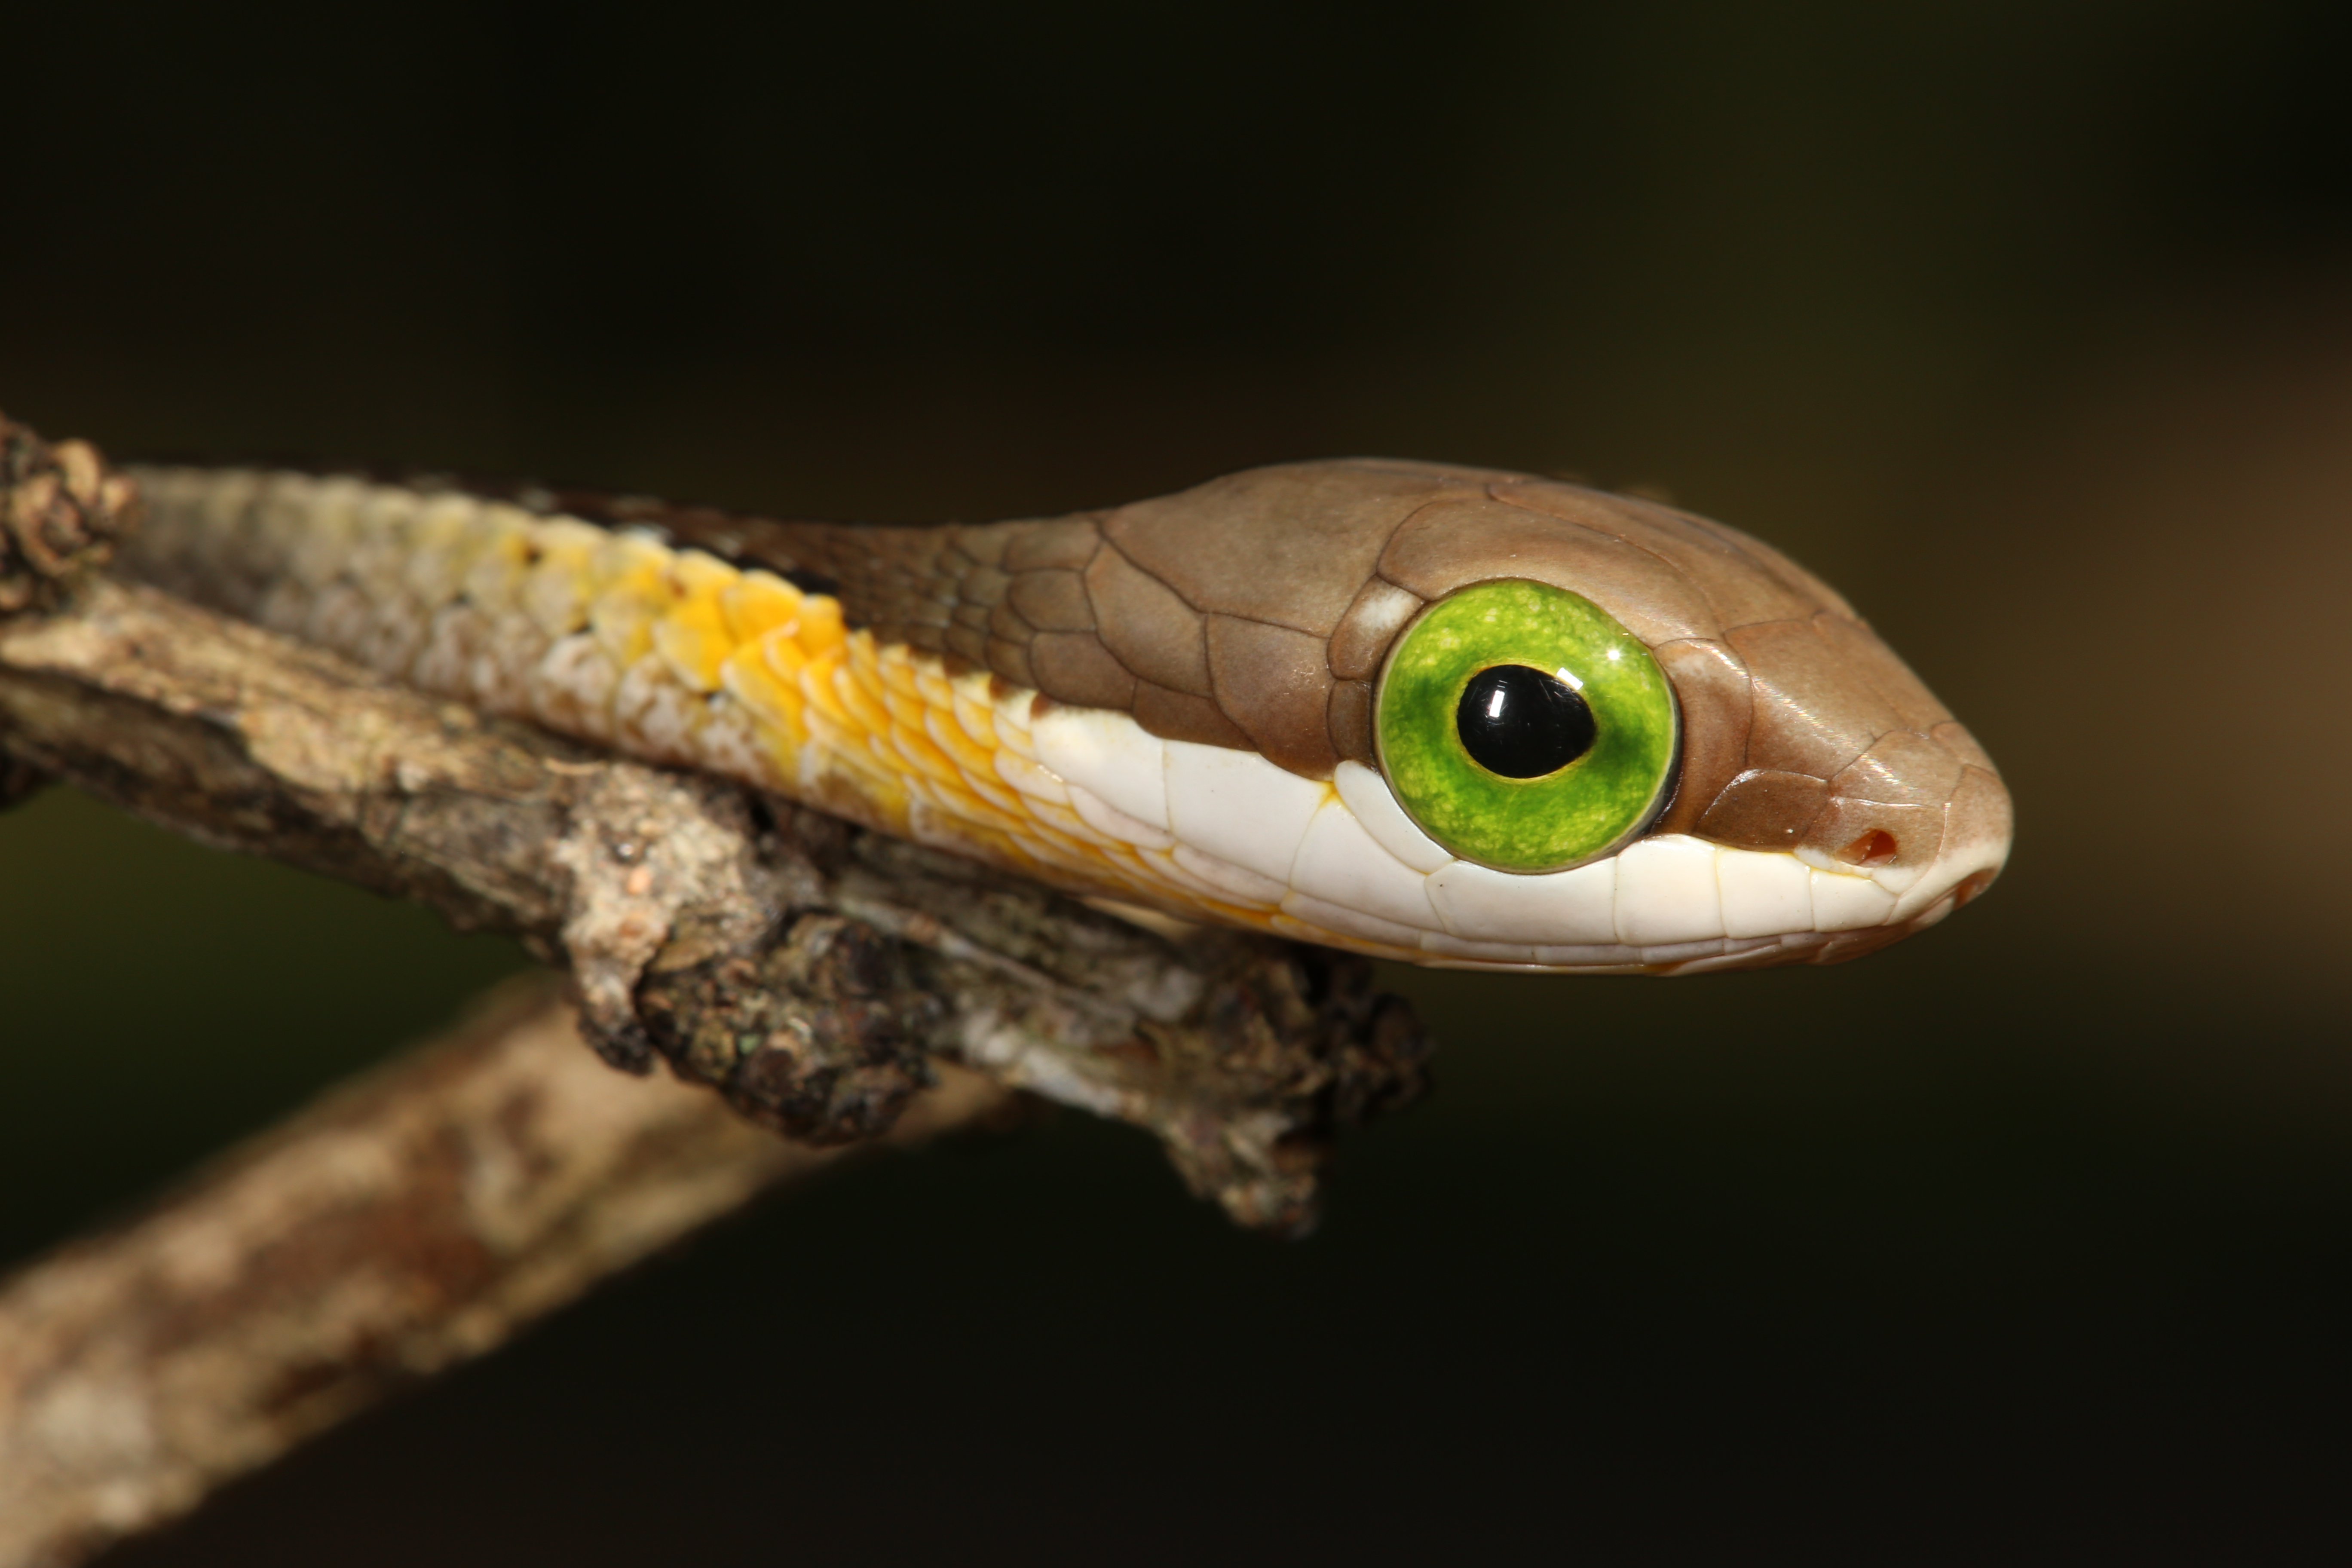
1523,728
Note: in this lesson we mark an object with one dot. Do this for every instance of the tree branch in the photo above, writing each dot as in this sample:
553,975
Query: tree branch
414,1218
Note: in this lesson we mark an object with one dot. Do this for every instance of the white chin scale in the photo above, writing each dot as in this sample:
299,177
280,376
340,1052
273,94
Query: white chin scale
1342,863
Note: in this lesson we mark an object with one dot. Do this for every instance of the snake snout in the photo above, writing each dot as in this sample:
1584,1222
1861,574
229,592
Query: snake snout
1924,853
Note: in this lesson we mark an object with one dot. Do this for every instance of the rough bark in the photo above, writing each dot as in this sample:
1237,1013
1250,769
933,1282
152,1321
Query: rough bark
411,1220
60,515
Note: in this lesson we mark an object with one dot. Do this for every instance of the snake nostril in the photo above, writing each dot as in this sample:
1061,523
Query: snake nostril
1873,848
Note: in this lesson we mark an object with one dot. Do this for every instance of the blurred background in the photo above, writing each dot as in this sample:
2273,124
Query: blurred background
2030,326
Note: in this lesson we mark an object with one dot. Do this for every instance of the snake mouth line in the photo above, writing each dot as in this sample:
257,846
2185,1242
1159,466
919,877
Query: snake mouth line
1343,864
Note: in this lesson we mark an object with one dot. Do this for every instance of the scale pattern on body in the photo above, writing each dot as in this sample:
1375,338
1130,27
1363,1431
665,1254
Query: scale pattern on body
1177,704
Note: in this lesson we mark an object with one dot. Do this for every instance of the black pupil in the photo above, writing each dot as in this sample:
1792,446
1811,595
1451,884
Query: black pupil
1522,723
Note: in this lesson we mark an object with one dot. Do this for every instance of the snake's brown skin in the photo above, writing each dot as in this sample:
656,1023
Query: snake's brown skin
1254,612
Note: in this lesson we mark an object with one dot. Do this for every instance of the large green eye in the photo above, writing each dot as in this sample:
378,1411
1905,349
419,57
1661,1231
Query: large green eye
1523,728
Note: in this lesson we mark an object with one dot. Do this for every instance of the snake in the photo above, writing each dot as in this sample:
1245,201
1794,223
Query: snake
1459,717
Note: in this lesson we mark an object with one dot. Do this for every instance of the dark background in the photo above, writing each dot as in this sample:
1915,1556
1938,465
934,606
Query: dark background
2030,325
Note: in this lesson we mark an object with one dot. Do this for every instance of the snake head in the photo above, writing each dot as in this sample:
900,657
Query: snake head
1576,729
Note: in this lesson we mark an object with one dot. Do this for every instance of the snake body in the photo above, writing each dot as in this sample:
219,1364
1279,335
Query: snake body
1177,704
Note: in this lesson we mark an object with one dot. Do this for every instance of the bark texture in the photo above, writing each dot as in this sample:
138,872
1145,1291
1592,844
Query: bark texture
411,1220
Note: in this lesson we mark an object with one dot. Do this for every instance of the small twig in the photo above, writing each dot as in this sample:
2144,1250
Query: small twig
60,515
416,1218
